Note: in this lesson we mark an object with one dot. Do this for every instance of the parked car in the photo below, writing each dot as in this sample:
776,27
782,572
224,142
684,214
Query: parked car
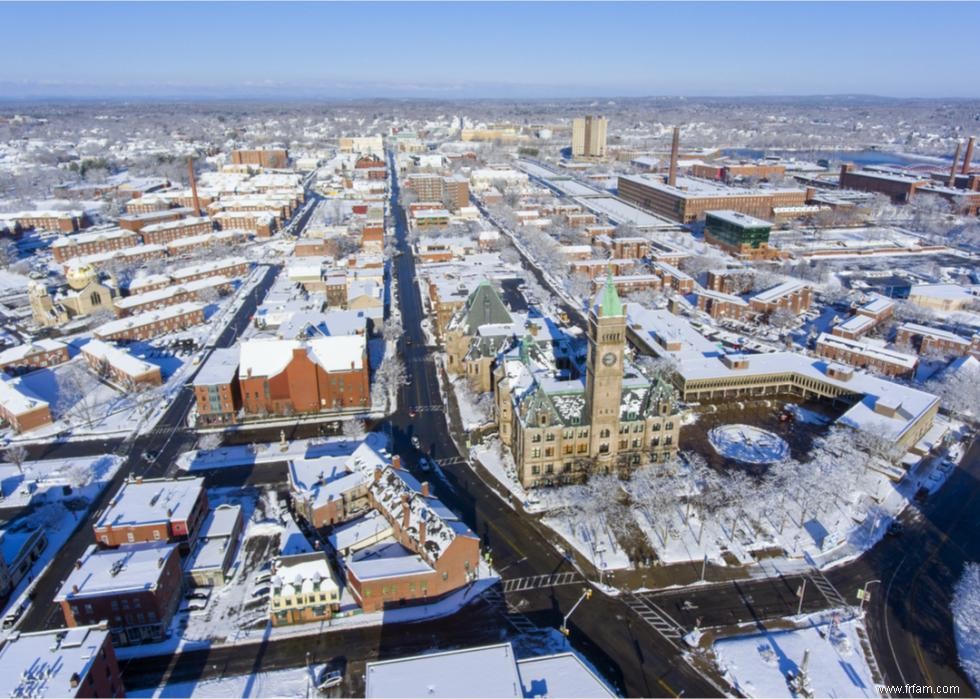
329,678
263,577
261,592
197,595
416,442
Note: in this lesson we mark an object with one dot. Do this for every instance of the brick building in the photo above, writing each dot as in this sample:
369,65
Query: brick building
153,510
273,158
216,388
280,377
928,340
304,589
866,355
78,662
134,222
719,305
135,589
168,231
731,281
21,408
33,355
152,324
69,246
727,172
59,221
793,295
120,367
261,223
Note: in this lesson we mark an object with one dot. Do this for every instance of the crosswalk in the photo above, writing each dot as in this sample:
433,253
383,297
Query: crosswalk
536,582
828,591
656,617
512,614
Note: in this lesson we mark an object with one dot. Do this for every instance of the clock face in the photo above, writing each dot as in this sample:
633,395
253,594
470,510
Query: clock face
609,358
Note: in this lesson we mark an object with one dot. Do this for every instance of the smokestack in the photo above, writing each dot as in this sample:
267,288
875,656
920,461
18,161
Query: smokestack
952,169
674,147
965,170
424,489
190,172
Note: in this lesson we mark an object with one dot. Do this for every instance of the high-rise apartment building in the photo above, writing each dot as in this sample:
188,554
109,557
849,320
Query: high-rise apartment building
589,137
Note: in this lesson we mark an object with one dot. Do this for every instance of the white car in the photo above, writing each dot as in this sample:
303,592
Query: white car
328,679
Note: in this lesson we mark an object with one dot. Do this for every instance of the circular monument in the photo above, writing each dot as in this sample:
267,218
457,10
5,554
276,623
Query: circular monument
748,444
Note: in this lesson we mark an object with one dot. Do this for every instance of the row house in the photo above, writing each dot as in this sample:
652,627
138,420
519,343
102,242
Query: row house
33,355
303,589
719,305
854,327
168,510
866,355
629,283
932,341
69,246
128,256
272,158
673,278
168,231
593,269
146,326
21,408
211,558
217,393
439,553
231,267
261,223
57,221
198,290
147,205
120,367
206,241
134,222
731,281
793,295
134,589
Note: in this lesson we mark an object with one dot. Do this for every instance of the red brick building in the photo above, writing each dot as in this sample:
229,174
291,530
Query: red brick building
33,355
136,589
281,377
168,231
21,408
928,340
78,662
273,158
134,222
216,389
168,510
719,305
794,296
153,323
60,221
866,355
70,246
120,367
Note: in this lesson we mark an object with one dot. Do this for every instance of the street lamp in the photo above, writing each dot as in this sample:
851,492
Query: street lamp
863,595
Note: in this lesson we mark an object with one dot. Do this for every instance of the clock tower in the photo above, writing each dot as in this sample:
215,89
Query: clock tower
604,373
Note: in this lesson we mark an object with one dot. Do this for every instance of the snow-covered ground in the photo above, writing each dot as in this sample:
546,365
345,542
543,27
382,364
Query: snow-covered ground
966,621
51,508
757,665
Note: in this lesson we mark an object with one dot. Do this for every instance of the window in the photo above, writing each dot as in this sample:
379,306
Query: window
156,534
536,438
129,537
549,468
535,470
536,453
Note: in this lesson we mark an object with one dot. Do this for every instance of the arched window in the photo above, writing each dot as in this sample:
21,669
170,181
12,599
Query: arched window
95,298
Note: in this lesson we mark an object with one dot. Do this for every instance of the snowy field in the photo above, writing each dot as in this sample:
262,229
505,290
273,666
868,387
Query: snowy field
757,665
52,509
966,621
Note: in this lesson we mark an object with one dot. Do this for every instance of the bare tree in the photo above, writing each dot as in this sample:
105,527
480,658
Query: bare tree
354,430
17,455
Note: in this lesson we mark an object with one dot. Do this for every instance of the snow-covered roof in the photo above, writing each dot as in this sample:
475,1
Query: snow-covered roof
943,291
151,501
868,349
302,573
21,352
856,323
136,321
658,328
219,368
367,529
128,568
780,290
92,237
118,358
17,399
43,664
561,675
176,224
737,218
386,560
488,671
206,267
270,357
945,335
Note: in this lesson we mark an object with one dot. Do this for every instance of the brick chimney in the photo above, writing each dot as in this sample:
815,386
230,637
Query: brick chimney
406,511
422,534
425,489
952,170
968,158
139,480
377,474
75,680
674,147
396,462
78,564
844,169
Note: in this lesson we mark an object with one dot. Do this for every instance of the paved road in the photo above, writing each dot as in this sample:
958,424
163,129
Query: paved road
169,439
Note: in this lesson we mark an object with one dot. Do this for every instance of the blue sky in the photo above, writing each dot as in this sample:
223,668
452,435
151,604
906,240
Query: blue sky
489,49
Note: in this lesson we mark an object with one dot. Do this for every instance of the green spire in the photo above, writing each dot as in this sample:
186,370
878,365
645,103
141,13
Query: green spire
609,304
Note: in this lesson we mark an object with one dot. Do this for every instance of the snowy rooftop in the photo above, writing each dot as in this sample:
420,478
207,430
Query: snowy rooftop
943,291
912,403
269,357
219,368
20,352
657,325
619,211
917,329
42,664
780,290
856,323
301,573
150,501
221,521
693,187
18,399
560,675
718,295
205,267
117,358
489,671
868,349
129,568
92,237
878,304
370,527
177,224
738,218
388,559
135,321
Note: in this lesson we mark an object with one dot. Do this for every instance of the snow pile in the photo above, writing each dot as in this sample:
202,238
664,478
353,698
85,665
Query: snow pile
966,621
757,665
748,444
